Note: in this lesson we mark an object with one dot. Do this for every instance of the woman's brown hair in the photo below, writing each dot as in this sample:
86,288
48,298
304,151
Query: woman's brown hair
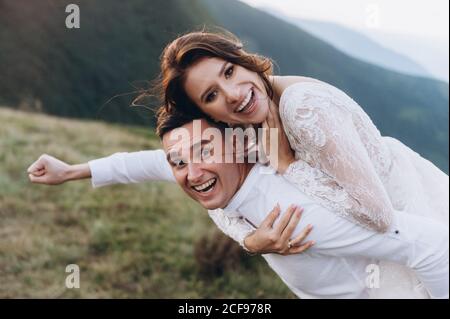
179,55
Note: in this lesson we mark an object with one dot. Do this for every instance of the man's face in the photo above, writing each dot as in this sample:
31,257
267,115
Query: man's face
198,164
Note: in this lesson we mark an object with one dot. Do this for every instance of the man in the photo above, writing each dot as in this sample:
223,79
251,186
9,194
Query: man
335,267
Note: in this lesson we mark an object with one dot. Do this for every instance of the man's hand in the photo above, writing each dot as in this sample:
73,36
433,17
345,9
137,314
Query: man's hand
52,171
270,239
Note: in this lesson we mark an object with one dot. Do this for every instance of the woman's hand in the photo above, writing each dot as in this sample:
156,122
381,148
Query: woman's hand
285,156
52,171
270,239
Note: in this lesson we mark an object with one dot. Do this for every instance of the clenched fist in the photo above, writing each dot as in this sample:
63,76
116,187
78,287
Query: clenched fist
52,171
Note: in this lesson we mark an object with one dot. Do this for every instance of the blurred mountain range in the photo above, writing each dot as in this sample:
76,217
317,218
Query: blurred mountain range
357,45
408,54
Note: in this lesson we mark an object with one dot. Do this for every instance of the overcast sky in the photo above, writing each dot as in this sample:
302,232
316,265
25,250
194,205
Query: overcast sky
424,18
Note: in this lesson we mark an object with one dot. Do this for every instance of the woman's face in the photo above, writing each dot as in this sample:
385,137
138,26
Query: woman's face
227,92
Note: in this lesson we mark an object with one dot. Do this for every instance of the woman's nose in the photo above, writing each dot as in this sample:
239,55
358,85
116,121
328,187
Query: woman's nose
232,94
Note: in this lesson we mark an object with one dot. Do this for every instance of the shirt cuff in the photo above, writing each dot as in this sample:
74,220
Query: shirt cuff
242,244
101,174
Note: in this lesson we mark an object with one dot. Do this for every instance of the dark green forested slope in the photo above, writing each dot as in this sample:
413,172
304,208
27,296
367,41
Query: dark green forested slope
73,72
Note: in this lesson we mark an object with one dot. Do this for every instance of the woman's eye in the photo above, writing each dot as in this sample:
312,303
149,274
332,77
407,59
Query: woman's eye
211,96
229,71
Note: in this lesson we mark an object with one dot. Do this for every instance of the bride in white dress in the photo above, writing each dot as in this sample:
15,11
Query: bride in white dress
339,157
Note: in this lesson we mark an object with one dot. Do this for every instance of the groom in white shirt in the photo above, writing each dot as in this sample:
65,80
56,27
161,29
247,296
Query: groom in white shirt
336,266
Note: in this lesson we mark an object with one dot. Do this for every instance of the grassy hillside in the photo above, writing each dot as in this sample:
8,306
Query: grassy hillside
142,241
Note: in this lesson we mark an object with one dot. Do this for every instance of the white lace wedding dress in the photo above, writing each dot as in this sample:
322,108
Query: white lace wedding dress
342,161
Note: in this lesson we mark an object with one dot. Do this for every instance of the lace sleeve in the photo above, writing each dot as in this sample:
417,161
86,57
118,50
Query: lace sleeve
233,226
333,164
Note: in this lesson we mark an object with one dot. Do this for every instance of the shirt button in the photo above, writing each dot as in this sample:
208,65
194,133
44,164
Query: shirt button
397,231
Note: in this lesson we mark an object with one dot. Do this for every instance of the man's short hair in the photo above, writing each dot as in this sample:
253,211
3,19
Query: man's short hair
168,120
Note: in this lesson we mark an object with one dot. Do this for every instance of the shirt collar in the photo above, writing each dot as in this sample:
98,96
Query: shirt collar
247,186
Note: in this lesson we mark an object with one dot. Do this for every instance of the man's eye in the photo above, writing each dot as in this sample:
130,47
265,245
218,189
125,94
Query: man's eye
179,163
206,151
211,96
229,71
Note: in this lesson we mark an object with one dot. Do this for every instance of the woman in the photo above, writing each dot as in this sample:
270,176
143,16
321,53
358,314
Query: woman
339,157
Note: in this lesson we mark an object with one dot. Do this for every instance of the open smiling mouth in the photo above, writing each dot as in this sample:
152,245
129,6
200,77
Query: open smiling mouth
205,187
247,103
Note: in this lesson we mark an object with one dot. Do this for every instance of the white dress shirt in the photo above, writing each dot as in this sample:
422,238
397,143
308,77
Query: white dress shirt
335,267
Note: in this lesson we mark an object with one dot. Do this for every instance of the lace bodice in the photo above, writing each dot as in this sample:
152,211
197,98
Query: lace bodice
341,160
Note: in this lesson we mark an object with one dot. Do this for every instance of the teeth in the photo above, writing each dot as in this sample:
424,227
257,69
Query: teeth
205,185
245,102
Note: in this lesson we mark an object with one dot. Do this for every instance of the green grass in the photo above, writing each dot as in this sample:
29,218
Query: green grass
130,241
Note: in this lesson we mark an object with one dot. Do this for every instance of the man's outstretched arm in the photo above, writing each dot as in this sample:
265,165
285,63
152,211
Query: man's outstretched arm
133,167
118,168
